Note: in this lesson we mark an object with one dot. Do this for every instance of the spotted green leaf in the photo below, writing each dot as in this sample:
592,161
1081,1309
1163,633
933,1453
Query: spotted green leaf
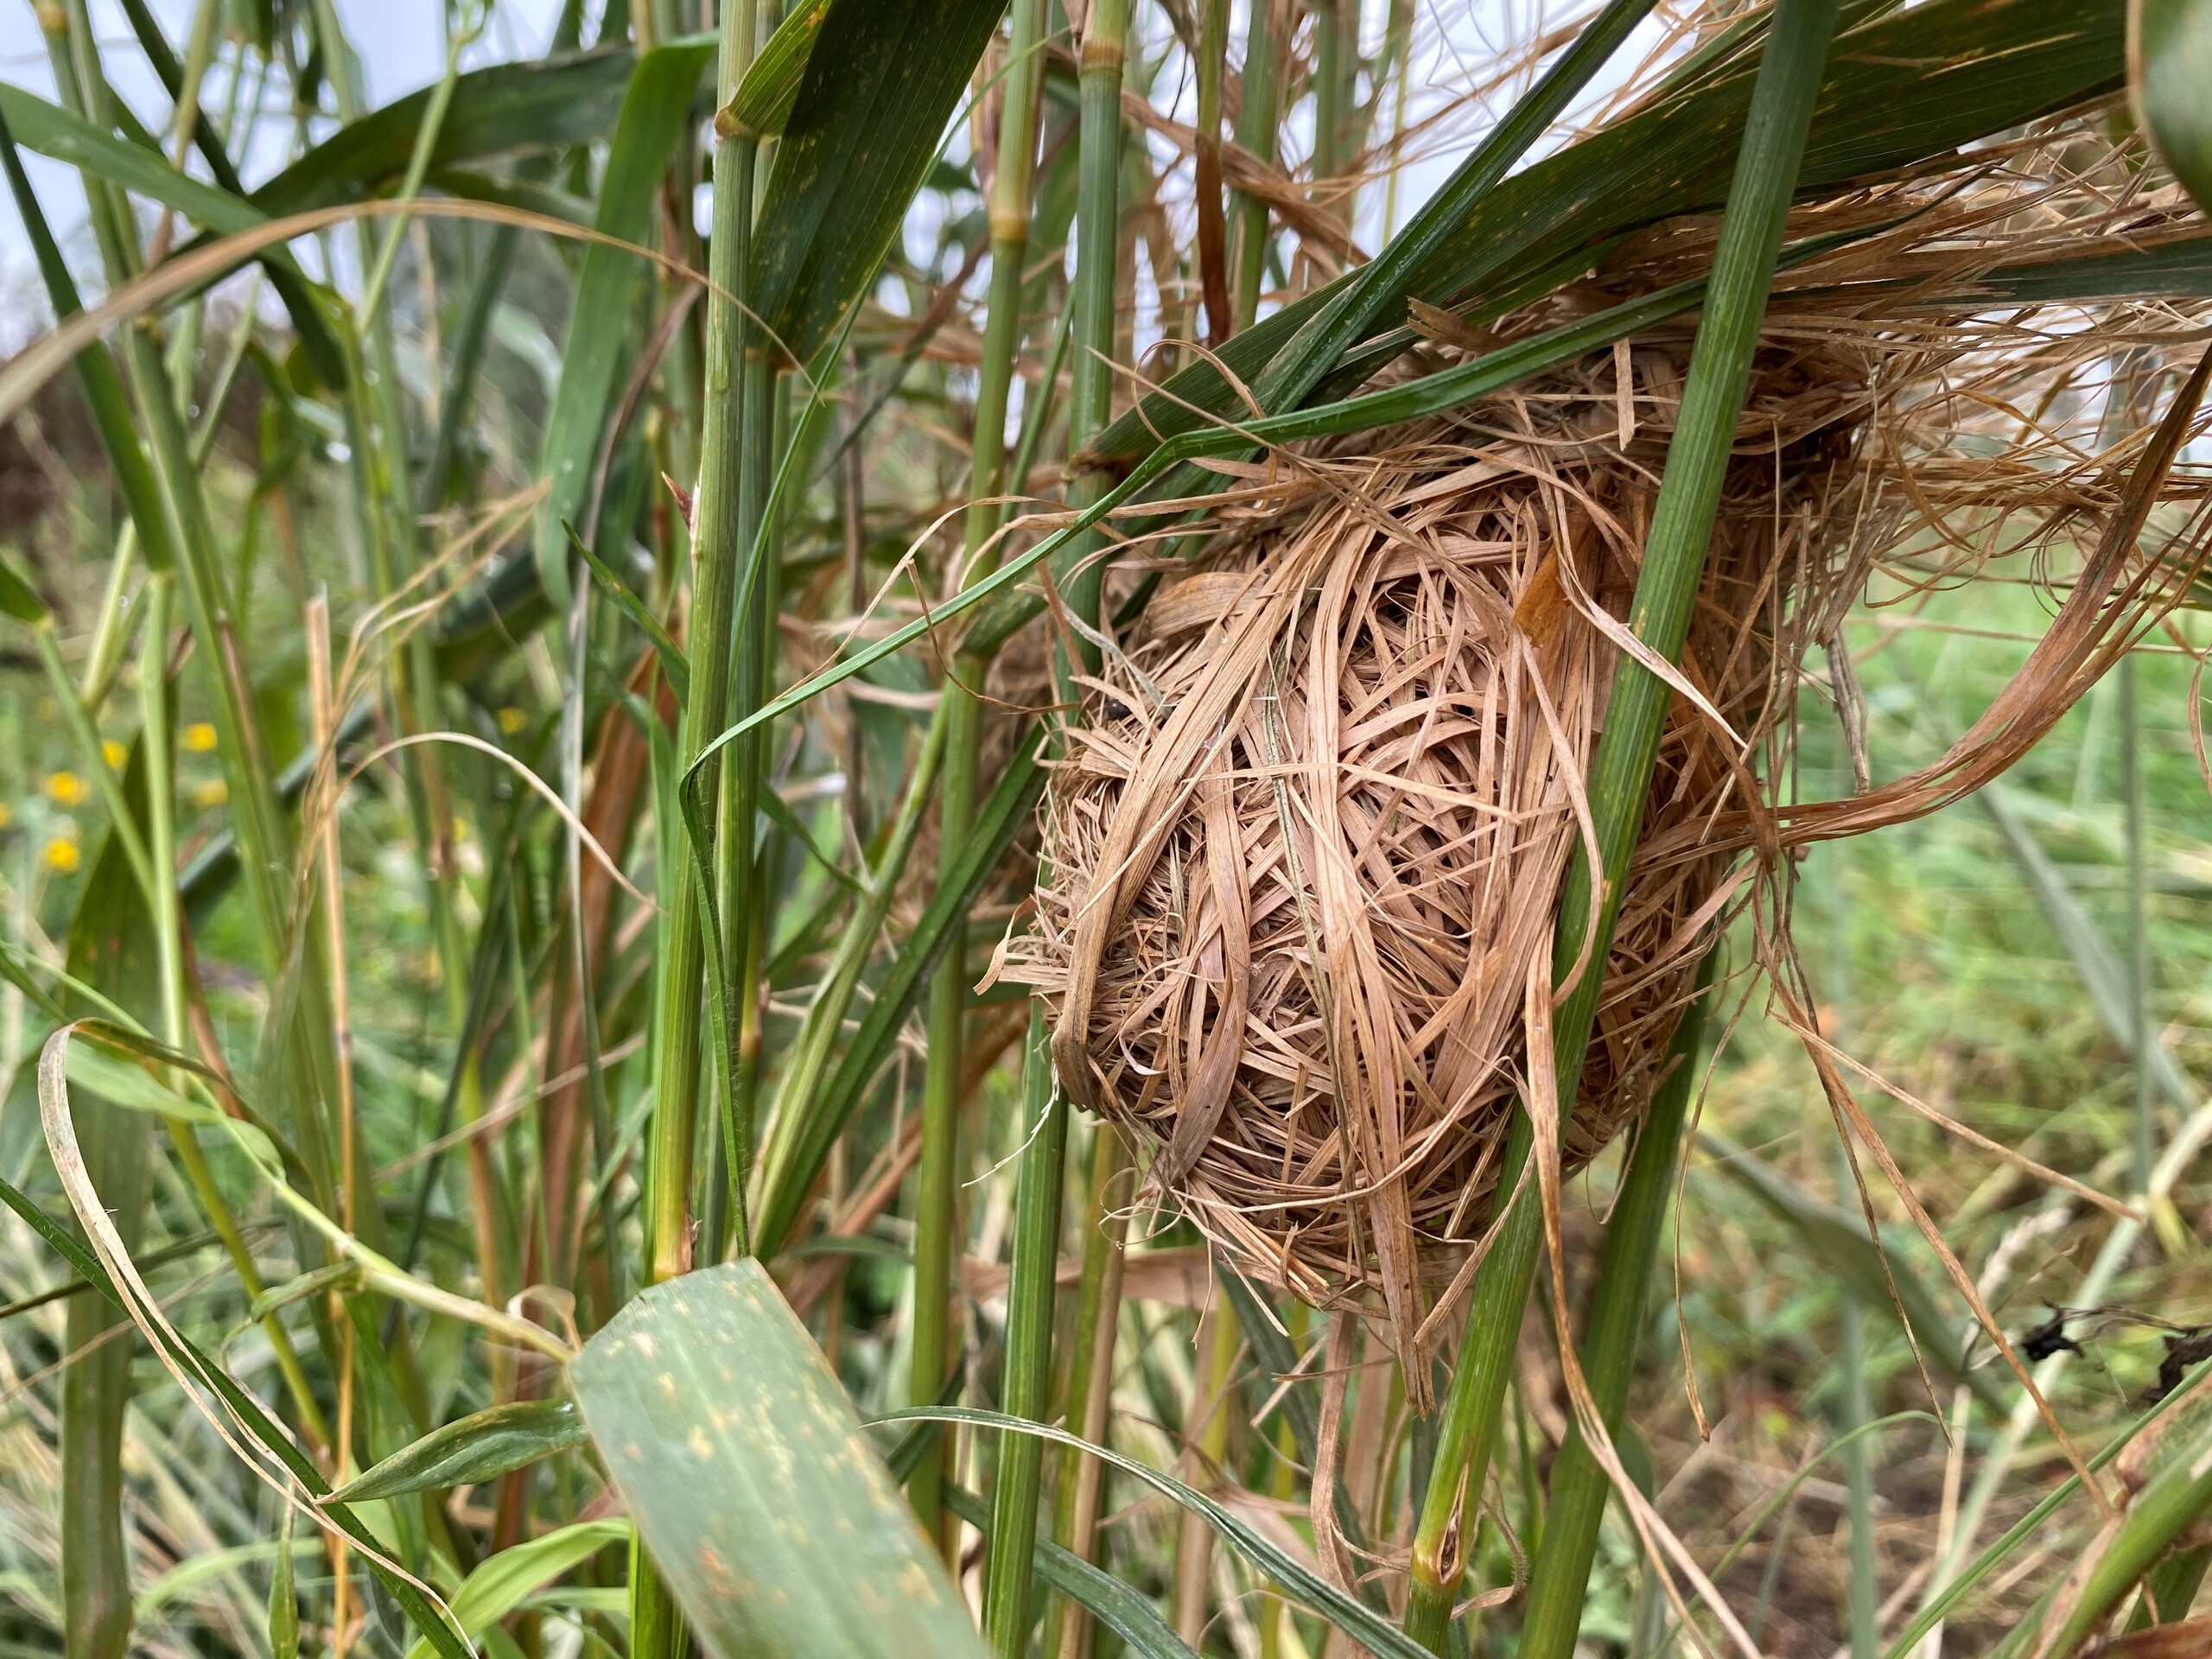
769,1514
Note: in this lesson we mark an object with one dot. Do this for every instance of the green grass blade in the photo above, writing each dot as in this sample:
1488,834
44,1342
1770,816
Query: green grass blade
297,294
2102,972
111,942
2178,1493
769,1514
2003,62
763,101
674,664
471,1449
1025,1388
1122,1608
1998,1552
1837,1238
499,1585
1278,1360
1431,395
96,370
64,136
1376,295
265,1429
555,105
1308,1587
654,114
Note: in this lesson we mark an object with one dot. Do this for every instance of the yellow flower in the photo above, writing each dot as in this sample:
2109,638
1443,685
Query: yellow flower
62,856
67,789
511,720
200,738
7,815
214,792
114,753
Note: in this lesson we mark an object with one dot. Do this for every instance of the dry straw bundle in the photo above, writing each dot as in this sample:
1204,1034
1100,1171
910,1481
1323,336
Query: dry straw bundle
1311,836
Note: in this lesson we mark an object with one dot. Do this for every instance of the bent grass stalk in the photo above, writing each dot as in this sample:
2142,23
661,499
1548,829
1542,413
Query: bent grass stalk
1697,459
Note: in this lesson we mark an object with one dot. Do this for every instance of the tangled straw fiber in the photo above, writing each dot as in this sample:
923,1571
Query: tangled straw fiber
1311,837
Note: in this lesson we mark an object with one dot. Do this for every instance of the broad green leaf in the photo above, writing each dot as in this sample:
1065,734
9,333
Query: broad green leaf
499,1585
879,86
477,1447
769,1515
495,111
764,98
1839,1239
2170,77
64,136
655,112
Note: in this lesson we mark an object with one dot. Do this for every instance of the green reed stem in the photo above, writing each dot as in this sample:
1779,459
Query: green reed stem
1091,1373
1666,592
1332,84
1081,576
656,1629
1031,1293
1025,1390
1855,1406
810,1053
1261,82
935,1247
718,546
1580,1487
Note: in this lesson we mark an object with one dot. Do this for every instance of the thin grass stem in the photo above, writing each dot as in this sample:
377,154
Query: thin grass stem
1697,461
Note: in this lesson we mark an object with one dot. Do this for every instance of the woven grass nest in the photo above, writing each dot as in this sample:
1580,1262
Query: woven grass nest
1308,842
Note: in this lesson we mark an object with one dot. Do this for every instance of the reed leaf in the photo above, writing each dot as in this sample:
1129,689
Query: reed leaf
2170,59
655,106
879,85
471,1449
772,1519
